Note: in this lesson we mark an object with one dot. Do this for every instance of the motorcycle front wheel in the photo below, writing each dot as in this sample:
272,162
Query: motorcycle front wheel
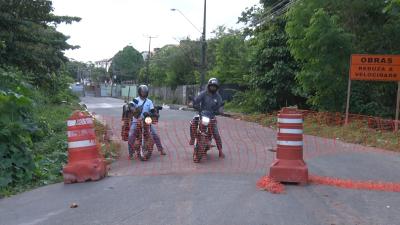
199,149
145,152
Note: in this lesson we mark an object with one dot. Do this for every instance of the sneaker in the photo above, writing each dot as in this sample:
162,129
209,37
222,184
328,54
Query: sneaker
191,142
162,152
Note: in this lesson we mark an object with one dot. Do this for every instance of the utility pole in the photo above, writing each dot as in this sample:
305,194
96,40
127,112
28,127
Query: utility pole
203,49
203,44
148,60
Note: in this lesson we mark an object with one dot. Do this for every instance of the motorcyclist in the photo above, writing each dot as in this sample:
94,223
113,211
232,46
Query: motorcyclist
209,100
140,106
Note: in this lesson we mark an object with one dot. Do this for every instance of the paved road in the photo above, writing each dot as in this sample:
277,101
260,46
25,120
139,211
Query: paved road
173,190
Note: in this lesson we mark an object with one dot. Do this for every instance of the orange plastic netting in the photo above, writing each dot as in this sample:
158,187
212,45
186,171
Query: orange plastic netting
266,183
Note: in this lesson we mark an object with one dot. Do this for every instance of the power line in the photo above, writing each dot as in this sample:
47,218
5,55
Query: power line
278,9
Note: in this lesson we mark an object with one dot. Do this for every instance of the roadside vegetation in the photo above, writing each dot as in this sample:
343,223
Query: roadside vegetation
35,100
33,142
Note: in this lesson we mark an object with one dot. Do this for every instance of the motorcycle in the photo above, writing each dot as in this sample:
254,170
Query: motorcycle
144,143
203,135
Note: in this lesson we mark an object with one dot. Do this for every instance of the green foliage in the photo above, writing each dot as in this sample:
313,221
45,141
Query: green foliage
250,101
323,34
273,68
76,70
16,164
98,74
127,63
393,8
271,74
231,57
32,136
181,70
158,66
174,65
29,38
79,71
304,54
50,142
35,99
323,47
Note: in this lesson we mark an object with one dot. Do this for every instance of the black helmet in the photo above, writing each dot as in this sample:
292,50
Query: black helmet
143,89
213,82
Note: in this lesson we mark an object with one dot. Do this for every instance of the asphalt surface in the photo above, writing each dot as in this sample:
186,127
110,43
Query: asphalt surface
172,190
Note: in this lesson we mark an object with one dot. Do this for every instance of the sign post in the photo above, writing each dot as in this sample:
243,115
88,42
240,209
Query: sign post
374,68
346,121
396,122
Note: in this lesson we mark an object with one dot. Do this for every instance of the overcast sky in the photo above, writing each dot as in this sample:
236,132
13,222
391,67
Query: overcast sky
109,25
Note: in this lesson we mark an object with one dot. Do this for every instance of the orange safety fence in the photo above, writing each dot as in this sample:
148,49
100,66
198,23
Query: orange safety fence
338,119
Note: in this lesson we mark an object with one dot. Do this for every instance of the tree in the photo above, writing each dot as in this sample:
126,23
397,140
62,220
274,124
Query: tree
323,48
323,34
273,68
127,63
174,65
180,69
230,56
158,66
74,69
98,74
271,77
29,40
34,84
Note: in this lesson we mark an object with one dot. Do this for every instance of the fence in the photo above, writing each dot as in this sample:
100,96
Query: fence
105,90
128,91
183,94
180,95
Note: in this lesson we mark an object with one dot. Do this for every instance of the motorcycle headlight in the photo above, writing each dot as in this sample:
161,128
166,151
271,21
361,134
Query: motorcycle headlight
148,120
205,121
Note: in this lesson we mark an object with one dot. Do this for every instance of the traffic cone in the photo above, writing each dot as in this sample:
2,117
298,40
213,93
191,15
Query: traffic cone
84,159
289,165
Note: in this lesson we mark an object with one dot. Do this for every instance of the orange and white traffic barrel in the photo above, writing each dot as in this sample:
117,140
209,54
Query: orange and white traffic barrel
289,165
84,159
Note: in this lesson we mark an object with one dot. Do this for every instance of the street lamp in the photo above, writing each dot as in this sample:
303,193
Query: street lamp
179,11
203,44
